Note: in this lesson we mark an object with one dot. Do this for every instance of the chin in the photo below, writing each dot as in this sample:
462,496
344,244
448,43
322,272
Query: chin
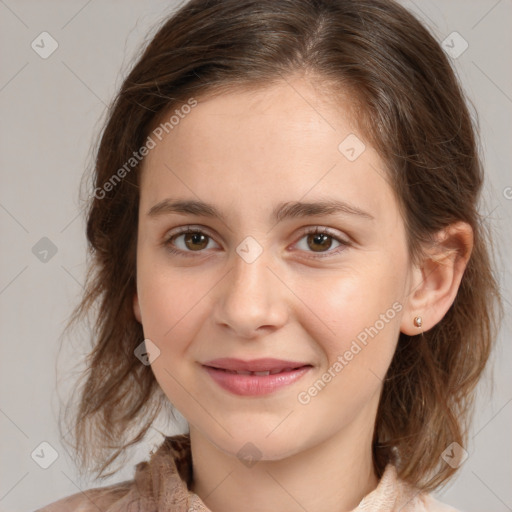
256,444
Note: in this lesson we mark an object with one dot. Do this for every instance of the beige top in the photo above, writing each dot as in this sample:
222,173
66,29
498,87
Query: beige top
162,484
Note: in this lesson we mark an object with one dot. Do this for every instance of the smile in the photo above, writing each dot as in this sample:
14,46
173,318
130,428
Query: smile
254,378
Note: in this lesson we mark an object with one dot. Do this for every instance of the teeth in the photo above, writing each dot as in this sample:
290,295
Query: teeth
260,374
265,373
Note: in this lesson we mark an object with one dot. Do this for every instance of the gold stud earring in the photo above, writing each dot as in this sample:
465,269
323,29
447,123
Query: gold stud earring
418,322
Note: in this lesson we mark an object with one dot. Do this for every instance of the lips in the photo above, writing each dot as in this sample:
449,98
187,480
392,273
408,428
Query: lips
256,377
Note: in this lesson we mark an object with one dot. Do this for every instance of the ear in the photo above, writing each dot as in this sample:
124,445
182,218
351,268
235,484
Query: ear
136,307
435,281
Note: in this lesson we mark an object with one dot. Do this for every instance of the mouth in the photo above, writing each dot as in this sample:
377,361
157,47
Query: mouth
256,377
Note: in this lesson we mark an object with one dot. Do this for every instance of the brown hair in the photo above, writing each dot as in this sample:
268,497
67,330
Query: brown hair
409,106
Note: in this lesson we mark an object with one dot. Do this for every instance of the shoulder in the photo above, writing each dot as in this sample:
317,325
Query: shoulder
91,500
394,494
433,505
159,474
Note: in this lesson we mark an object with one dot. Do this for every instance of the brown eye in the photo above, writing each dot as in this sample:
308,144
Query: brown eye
188,241
195,241
319,242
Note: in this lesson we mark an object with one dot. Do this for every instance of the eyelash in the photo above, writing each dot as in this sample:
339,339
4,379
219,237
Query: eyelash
185,230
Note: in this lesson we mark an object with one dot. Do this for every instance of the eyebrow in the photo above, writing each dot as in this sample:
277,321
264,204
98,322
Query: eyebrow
286,210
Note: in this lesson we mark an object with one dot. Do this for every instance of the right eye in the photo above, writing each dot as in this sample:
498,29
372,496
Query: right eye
190,240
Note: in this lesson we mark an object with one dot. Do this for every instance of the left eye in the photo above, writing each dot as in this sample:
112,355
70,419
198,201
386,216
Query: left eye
320,241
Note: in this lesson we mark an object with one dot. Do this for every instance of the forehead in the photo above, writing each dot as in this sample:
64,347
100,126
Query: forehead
277,143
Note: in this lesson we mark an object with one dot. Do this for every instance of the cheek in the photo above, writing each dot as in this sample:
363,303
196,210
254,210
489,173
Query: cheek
365,320
171,316
357,314
169,303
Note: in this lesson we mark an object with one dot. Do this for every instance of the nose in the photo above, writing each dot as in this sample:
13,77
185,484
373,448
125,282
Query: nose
251,301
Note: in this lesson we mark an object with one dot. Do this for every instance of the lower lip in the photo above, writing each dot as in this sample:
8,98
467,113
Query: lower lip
254,385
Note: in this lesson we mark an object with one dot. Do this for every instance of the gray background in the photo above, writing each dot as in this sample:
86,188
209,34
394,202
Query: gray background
51,110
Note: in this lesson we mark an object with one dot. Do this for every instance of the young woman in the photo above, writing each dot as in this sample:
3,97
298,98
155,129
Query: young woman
287,248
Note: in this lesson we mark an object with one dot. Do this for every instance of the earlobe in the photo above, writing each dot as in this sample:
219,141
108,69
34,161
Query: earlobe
435,284
136,307
414,305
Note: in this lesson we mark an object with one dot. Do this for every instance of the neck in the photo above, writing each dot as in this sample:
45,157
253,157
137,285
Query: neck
334,475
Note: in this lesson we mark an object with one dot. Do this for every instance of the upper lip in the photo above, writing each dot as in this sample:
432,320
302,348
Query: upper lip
254,365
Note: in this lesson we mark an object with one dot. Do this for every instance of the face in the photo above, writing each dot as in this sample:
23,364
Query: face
234,288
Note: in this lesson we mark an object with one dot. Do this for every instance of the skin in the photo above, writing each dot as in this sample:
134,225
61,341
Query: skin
245,152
